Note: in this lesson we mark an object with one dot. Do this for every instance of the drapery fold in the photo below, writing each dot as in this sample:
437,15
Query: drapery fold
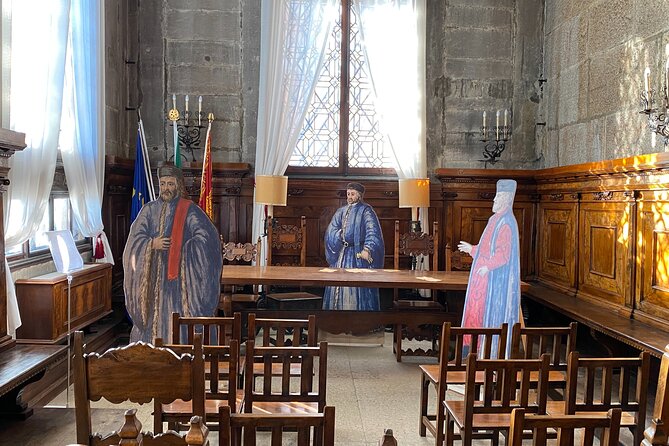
82,146
35,103
292,44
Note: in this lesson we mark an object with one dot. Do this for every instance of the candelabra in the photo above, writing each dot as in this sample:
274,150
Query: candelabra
495,138
658,119
187,129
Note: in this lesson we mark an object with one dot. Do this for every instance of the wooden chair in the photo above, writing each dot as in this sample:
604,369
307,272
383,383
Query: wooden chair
565,426
457,261
221,374
506,385
287,246
282,333
131,433
601,392
139,373
558,342
452,366
233,299
411,245
245,426
279,391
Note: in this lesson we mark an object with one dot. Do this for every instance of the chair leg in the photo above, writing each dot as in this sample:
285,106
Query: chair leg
450,431
424,385
439,423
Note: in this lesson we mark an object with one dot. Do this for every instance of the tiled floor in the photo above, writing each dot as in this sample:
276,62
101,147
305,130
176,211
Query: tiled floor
370,390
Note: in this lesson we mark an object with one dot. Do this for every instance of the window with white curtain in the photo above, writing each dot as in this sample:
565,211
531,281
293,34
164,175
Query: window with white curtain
341,133
58,212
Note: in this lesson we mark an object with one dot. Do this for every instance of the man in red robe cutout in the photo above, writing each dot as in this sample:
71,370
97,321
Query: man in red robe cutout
171,261
493,292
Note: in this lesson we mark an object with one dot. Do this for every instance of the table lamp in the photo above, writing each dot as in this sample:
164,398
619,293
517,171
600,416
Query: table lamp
414,194
271,190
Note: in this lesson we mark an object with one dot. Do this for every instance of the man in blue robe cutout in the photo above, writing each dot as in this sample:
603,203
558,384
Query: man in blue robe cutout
171,262
353,240
493,292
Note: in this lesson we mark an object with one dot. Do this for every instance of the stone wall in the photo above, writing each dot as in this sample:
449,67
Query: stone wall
595,55
482,55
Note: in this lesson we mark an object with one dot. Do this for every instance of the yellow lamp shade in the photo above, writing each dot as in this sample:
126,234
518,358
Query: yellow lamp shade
414,192
271,189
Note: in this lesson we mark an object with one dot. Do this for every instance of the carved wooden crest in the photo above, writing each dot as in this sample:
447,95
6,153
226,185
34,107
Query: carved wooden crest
414,244
287,237
238,251
603,196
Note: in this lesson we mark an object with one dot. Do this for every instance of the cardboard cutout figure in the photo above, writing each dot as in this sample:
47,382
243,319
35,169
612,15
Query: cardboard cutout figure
171,261
353,240
493,292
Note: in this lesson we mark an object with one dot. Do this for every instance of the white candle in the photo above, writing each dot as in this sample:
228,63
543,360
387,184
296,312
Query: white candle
174,101
199,110
666,81
186,102
506,117
497,126
646,82
484,116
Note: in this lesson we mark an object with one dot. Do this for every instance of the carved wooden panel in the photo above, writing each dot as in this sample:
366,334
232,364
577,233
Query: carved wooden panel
652,289
556,249
604,240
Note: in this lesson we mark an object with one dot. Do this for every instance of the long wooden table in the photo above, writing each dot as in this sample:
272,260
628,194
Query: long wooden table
318,276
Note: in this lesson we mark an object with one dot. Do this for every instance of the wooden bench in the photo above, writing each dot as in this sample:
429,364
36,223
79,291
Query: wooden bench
601,319
21,365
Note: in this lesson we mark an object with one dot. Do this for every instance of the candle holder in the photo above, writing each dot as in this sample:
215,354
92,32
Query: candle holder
189,131
658,119
494,140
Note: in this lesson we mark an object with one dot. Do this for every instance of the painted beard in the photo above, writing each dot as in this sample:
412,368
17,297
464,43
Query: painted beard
352,200
167,195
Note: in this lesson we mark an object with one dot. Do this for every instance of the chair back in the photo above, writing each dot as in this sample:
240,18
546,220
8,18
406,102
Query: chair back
411,244
565,425
506,385
287,244
246,425
457,261
282,332
600,391
139,373
532,342
131,433
214,330
240,252
278,387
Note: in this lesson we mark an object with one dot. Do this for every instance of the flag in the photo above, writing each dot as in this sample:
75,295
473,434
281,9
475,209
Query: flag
177,151
206,187
140,187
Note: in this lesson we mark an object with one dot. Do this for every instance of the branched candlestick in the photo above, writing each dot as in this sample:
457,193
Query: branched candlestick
188,127
658,119
494,138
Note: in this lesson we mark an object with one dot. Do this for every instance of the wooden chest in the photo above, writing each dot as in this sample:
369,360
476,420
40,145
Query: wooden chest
43,302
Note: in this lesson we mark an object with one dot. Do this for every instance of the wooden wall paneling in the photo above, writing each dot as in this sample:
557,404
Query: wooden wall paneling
116,211
557,237
604,241
652,259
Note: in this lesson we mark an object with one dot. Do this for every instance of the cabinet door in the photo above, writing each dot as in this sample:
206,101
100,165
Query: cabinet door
604,241
556,241
652,288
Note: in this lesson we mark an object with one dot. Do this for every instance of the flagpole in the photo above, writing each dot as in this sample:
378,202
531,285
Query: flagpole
147,161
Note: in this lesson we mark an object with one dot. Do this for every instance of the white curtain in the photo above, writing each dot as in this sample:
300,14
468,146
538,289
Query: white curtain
37,73
82,139
292,43
393,33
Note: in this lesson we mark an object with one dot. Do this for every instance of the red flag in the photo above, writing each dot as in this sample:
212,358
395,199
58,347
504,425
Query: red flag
206,187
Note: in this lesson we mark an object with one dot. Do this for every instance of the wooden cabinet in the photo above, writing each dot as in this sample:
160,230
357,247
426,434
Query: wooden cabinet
43,302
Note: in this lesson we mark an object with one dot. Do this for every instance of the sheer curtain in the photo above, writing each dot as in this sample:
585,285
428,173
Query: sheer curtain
37,73
82,139
393,34
292,43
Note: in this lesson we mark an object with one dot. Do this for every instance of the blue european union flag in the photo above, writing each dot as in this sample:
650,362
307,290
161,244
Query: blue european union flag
140,187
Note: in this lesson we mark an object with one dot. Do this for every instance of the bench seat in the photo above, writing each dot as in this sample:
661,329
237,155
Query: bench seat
639,335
